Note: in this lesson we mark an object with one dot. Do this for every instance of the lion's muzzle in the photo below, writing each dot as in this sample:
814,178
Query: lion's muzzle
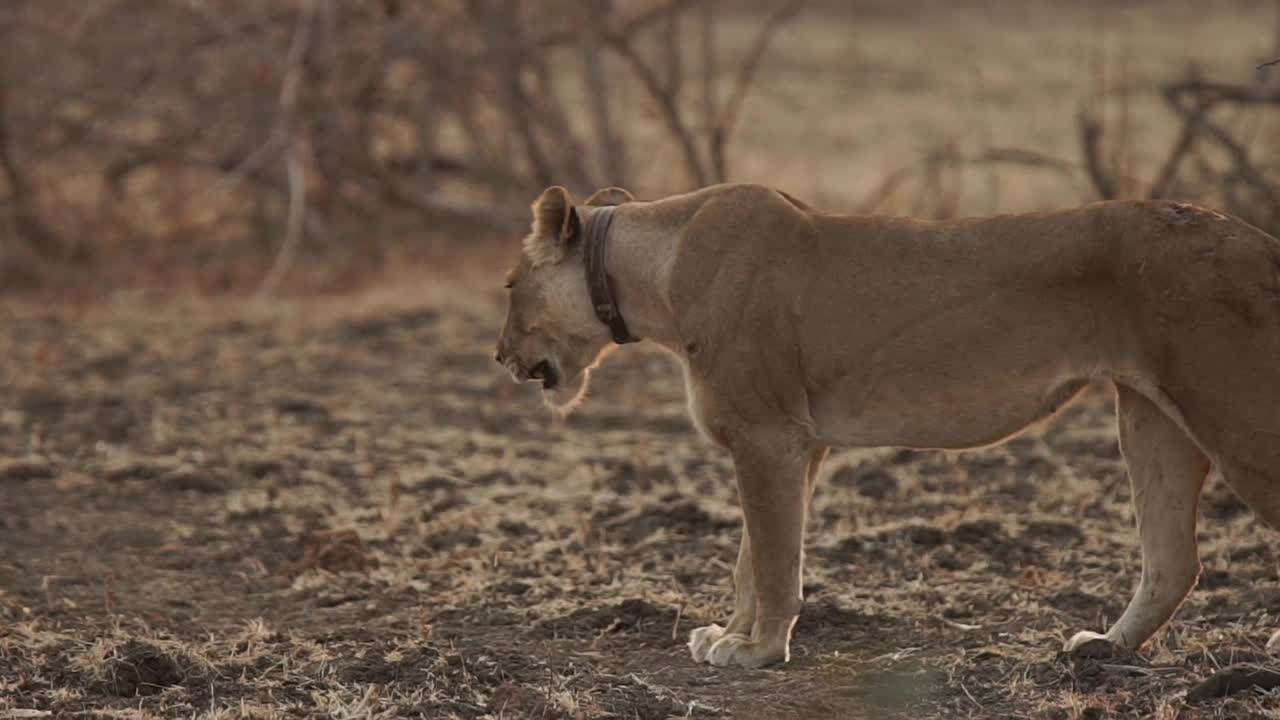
545,372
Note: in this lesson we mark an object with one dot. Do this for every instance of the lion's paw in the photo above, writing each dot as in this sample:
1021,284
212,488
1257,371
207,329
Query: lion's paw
701,640
1082,637
741,650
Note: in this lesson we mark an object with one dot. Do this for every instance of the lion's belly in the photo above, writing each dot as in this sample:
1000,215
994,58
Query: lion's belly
967,370
940,417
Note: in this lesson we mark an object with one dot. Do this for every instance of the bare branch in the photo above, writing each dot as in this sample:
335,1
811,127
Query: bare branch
1245,168
1168,173
1193,100
243,169
43,239
1090,140
425,122
728,115
1211,93
673,55
504,35
278,124
667,106
293,227
499,218
549,113
626,28
1022,157
707,41
289,88
612,153
885,190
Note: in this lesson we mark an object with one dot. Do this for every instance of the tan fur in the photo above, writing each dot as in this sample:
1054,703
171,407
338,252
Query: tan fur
609,196
800,330
550,232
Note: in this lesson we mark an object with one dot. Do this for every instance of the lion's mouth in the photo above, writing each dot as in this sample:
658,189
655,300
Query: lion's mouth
546,373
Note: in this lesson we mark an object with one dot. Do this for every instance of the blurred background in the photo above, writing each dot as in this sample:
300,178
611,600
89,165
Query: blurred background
256,461
245,146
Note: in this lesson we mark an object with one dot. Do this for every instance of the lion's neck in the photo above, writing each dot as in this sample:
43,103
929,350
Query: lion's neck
639,259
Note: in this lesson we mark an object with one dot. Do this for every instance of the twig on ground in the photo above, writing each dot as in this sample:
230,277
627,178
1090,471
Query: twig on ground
960,625
969,695
109,592
1138,669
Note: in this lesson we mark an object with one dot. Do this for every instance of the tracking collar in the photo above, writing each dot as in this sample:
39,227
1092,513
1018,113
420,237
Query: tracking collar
598,281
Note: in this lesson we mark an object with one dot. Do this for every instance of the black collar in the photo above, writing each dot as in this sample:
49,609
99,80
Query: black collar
598,281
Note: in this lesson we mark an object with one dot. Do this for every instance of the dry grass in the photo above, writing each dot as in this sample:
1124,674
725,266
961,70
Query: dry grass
338,508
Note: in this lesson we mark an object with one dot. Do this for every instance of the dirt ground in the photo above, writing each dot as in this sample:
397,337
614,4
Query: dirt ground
344,508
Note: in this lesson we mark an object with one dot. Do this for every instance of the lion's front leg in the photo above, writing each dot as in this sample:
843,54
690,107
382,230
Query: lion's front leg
772,484
744,606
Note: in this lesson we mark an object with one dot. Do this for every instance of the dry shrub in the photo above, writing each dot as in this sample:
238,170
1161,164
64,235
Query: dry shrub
214,143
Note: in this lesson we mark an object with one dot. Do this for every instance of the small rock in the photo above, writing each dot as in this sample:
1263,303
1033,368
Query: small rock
187,477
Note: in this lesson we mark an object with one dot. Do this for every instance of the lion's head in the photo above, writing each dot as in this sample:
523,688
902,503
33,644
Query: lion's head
552,333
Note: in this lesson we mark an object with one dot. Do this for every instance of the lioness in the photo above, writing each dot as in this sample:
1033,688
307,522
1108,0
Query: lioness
799,330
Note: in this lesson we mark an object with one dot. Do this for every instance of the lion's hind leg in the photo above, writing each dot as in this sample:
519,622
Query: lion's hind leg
1166,470
1261,492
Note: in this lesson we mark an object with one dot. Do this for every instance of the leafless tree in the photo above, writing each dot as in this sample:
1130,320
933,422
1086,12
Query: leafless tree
240,134
143,133
1206,161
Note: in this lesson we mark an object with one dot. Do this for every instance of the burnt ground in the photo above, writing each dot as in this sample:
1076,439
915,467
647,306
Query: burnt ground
345,508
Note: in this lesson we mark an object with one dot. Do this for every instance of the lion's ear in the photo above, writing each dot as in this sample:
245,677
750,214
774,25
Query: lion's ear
610,196
555,227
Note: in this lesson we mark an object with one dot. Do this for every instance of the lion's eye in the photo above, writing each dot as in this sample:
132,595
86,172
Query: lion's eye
507,286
